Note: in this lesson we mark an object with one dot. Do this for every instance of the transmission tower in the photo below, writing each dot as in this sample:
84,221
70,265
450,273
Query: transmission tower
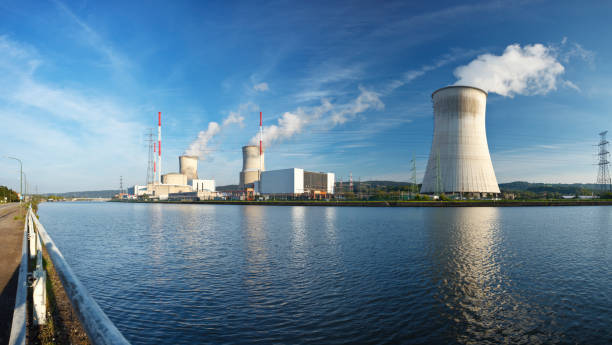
151,157
413,188
603,173
351,182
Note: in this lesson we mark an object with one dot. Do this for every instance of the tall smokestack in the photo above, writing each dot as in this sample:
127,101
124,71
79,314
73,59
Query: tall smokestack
459,161
159,156
260,147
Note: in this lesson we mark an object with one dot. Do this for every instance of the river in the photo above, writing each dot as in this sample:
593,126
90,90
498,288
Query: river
186,274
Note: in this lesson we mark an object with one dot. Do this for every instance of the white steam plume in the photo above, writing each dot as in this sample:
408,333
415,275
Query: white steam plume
293,123
530,70
199,147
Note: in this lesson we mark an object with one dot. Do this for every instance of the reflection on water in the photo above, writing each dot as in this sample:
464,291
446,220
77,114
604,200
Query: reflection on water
257,266
479,298
309,275
298,236
330,225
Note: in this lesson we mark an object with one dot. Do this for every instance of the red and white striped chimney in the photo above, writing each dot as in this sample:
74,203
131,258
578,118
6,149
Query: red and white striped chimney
159,156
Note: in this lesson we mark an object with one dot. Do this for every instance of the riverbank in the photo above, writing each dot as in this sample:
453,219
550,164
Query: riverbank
451,203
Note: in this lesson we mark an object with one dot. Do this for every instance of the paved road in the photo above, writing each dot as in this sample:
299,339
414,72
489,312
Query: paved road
11,235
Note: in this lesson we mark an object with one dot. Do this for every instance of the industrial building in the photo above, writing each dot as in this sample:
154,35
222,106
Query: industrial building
184,184
459,161
296,182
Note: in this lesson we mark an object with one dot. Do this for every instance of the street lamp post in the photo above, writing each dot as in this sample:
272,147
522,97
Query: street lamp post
25,186
20,177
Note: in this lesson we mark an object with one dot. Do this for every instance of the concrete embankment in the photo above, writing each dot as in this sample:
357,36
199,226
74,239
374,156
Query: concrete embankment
11,236
464,203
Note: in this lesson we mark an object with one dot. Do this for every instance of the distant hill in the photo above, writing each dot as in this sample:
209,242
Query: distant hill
517,186
563,188
88,194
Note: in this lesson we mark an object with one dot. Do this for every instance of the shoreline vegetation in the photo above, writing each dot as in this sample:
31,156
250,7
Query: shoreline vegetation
394,203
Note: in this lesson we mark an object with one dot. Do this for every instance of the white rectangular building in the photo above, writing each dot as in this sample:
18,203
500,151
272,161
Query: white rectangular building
296,182
201,185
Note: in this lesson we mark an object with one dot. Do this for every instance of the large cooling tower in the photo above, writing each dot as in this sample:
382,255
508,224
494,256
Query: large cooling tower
251,165
188,166
459,160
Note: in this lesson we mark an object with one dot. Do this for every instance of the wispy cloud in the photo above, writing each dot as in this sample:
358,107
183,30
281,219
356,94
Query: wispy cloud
95,41
550,163
71,122
261,87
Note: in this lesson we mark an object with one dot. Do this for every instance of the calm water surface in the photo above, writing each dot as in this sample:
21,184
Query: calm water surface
186,274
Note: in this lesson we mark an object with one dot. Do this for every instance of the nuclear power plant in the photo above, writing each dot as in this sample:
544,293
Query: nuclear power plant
459,161
184,185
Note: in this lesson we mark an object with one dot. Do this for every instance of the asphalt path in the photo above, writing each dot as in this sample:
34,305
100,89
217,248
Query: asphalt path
11,235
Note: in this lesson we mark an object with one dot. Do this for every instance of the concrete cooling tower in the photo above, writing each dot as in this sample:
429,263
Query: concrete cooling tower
250,165
459,161
188,166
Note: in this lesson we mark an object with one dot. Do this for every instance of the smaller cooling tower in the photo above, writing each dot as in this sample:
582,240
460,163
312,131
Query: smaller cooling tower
188,166
251,165
174,178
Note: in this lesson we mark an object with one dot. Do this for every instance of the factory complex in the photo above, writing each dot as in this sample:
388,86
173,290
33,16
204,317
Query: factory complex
254,181
459,162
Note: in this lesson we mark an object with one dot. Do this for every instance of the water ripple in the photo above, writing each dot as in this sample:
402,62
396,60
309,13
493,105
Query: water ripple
186,274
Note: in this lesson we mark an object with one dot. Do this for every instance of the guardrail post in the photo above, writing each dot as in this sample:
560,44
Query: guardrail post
39,287
39,297
31,235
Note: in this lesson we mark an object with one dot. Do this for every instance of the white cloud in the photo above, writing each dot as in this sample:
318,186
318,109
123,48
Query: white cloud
200,146
261,87
292,123
365,101
234,117
529,70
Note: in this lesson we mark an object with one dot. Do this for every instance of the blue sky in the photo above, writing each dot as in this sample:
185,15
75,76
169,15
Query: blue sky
344,87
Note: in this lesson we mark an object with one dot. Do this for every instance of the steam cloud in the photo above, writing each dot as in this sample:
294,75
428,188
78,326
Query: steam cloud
200,146
293,123
530,70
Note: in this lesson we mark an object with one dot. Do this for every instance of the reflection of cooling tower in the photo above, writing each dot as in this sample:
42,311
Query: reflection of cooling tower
459,160
188,166
250,165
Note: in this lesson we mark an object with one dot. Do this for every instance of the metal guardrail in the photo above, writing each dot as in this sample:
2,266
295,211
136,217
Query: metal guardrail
98,326
18,327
